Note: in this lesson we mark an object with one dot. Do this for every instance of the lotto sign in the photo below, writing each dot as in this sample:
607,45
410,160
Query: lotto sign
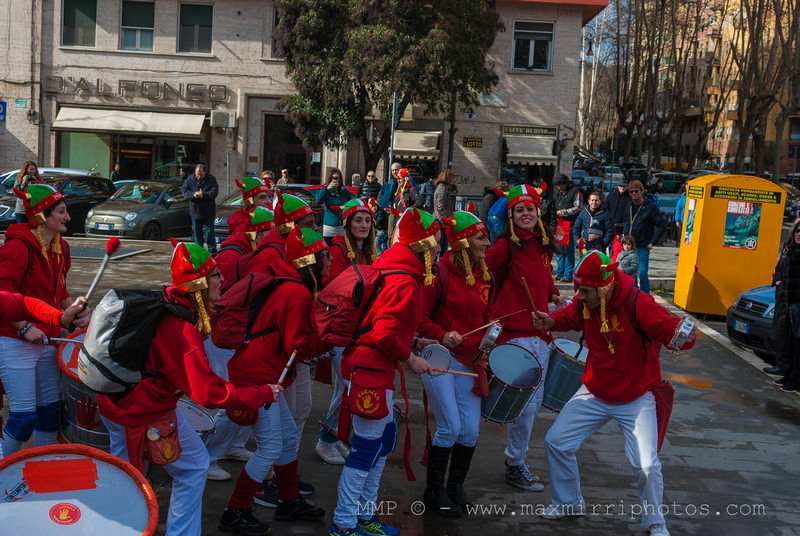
741,225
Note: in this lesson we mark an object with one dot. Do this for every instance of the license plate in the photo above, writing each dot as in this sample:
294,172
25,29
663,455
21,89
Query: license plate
744,327
103,226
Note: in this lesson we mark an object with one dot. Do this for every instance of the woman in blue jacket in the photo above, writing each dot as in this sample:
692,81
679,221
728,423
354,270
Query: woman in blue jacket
333,197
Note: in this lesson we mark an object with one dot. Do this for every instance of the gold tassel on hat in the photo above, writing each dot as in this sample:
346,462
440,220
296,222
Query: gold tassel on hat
41,241
315,292
203,324
545,240
586,313
486,275
514,237
467,266
373,255
350,253
428,272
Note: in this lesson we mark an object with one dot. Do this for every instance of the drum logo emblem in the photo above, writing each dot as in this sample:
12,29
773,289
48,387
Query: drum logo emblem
367,401
17,492
65,513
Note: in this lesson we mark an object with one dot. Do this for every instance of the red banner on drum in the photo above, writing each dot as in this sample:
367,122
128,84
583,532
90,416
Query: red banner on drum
55,476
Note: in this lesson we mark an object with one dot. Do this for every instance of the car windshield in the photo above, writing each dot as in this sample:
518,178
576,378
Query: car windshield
140,192
233,199
794,192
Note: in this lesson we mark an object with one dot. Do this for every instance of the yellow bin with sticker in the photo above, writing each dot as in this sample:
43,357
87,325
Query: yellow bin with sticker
729,241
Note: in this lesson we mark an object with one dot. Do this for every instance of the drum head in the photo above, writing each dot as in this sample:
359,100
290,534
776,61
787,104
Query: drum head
199,418
515,366
67,354
570,348
74,490
438,356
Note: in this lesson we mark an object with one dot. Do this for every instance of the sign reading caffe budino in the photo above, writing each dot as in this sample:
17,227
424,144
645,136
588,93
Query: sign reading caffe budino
136,88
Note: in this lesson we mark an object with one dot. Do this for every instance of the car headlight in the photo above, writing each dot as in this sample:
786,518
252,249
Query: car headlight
770,312
90,213
130,216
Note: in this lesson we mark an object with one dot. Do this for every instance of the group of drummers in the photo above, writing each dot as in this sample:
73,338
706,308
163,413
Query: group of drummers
475,324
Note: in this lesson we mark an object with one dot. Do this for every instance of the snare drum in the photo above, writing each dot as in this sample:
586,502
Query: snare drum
199,418
563,373
80,419
682,333
490,337
438,357
514,374
74,490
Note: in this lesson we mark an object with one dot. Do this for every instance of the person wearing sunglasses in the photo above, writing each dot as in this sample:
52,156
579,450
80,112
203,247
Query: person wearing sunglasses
369,188
646,224
786,321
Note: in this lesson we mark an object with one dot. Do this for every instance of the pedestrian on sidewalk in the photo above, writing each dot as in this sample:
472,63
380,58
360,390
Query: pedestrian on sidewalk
646,224
628,259
624,330
569,202
201,189
786,322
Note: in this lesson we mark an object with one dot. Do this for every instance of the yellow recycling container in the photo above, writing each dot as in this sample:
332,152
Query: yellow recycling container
730,242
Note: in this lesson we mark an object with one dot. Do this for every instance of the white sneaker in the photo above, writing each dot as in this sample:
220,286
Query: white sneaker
659,529
240,454
329,453
558,511
215,472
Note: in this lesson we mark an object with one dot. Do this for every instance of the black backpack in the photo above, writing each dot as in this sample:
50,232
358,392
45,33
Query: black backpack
115,349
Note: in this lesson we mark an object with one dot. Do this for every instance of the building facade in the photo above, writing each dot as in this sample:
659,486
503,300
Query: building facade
160,85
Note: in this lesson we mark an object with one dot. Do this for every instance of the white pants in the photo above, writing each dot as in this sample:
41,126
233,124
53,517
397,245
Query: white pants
226,433
457,409
276,440
188,474
584,415
519,431
338,384
298,398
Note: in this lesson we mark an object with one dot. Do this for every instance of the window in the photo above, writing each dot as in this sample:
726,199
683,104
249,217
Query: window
532,46
137,25
195,28
80,18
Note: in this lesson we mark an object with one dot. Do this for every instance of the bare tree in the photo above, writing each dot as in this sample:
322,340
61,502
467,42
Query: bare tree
786,34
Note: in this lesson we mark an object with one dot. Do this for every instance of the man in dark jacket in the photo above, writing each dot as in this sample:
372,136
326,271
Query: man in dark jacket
646,224
369,188
617,204
593,214
201,189
569,202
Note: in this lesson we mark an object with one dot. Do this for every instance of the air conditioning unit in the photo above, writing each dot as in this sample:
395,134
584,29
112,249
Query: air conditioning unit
223,119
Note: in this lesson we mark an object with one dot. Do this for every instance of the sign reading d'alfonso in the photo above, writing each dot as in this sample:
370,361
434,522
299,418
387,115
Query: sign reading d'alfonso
742,194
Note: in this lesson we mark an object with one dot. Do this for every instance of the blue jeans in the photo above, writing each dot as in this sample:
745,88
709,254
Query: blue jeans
566,260
644,264
204,228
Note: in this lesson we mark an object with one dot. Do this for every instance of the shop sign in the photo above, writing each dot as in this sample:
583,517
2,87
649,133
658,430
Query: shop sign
136,88
742,194
472,142
529,130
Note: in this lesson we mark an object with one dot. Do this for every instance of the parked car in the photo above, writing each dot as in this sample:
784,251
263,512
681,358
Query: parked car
749,322
149,210
82,192
612,173
7,179
626,166
231,203
792,208
579,176
670,180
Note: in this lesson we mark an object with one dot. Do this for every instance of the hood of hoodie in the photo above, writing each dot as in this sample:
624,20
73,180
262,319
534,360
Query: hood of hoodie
237,239
400,257
22,231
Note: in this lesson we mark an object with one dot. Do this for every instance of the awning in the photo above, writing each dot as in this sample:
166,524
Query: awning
102,120
421,144
530,150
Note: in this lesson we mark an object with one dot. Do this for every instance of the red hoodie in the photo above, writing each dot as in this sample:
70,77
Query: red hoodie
288,308
627,373
238,221
177,353
15,307
229,254
394,316
531,261
273,248
24,269
339,260
463,309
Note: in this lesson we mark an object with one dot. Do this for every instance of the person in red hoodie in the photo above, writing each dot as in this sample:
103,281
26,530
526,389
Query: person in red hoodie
229,440
369,365
624,330
355,246
137,421
255,193
524,249
34,262
288,309
456,303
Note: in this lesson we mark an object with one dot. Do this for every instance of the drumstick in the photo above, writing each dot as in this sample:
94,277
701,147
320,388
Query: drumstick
472,374
286,368
56,339
492,322
528,291
112,245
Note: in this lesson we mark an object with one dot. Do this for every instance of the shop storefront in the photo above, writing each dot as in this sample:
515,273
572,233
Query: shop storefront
527,154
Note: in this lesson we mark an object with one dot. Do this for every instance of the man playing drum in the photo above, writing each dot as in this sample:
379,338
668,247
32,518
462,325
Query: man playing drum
624,330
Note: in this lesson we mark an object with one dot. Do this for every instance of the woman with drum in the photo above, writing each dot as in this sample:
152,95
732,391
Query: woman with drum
456,303
523,250
289,336
143,424
34,262
356,246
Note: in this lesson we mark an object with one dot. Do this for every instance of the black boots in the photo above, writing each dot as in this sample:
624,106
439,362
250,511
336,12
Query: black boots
459,466
435,497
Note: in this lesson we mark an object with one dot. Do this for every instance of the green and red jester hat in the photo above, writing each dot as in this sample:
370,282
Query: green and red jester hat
459,228
288,209
417,230
36,198
189,266
523,193
596,270
301,245
251,187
